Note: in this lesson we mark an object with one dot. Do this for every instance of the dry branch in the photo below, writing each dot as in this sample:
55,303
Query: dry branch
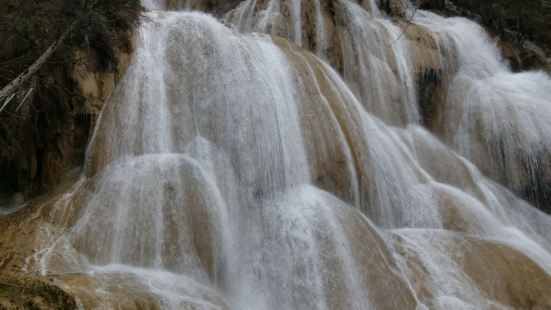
32,69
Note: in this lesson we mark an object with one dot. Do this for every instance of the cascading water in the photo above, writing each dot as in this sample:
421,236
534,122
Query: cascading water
355,41
496,118
233,170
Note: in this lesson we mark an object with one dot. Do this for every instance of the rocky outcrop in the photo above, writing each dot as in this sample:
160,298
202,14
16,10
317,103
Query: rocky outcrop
18,292
20,230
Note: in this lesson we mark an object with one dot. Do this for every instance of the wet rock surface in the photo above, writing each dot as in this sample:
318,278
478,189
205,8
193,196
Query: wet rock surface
19,292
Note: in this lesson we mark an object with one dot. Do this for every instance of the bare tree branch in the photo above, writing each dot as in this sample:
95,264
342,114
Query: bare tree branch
408,24
24,98
7,101
25,75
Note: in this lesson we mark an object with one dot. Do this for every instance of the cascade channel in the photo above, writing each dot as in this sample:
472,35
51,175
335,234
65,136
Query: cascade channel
310,154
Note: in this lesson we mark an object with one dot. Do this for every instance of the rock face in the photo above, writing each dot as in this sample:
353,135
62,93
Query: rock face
17,292
48,134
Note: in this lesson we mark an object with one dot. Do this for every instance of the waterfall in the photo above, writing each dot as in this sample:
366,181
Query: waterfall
361,44
233,168
496,118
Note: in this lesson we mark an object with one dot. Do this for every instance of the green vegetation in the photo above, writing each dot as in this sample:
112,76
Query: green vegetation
28,27
39,132
530,19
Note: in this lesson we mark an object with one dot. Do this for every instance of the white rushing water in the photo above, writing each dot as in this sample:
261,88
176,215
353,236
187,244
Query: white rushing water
375,65
496,118
232,169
